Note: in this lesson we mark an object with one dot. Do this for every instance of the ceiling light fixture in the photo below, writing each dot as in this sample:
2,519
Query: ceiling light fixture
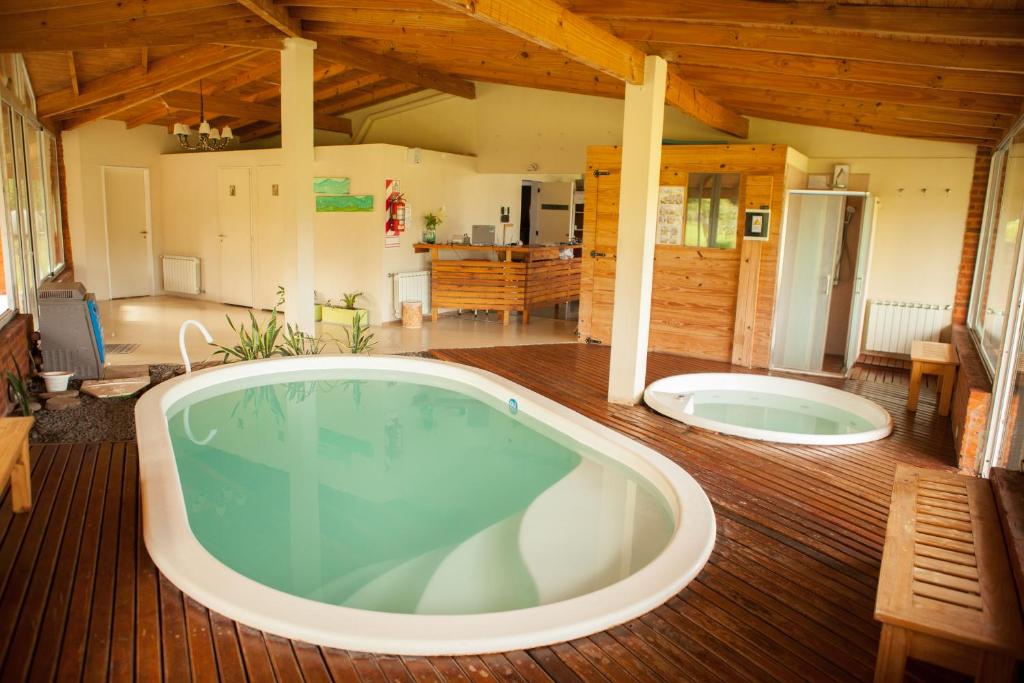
209,140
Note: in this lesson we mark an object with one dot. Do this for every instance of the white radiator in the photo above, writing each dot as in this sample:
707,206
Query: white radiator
411,287
893,325
182,274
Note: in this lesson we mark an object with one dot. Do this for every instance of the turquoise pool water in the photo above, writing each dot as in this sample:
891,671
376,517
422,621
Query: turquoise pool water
389,493
776,412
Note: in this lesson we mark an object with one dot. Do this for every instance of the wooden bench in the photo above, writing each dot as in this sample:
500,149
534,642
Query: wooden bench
946,594
14,462
932,358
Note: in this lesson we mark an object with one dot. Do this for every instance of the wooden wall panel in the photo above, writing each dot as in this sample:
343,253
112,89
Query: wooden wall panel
693,307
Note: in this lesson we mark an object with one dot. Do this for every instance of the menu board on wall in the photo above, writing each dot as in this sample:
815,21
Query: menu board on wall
671,213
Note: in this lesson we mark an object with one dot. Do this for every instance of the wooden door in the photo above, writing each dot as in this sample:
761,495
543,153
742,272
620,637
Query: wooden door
600,248
126,211
270,246
234,216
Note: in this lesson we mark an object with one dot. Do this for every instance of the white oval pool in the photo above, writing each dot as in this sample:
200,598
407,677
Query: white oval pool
769,408
408,506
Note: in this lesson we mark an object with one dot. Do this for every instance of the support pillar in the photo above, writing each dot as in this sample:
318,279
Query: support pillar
297,153
642,129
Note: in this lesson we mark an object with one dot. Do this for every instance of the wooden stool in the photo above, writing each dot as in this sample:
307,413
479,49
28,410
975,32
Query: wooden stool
946,594
932,358
14,463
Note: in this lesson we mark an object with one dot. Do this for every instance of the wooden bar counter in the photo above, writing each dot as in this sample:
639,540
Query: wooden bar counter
520,279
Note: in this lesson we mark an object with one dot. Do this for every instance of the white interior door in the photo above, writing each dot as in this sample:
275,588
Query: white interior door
860,283
813,224
129,237
269,235
234,218
556,213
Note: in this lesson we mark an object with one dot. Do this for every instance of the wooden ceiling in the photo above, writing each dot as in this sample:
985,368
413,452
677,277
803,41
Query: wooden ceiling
936,69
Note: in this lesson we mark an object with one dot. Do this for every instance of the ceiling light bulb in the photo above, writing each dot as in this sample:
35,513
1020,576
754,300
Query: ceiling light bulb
204,128
226,133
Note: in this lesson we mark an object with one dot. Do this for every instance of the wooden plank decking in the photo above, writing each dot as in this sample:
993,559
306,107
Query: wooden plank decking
788,593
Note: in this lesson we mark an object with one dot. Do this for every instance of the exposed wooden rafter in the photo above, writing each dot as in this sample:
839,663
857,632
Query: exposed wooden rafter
72,72
231,106
334,50
546,23
550,25
275,15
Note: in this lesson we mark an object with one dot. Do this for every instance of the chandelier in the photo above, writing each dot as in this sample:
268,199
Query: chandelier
209,140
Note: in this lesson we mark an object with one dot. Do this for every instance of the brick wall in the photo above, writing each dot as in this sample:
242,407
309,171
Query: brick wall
971,398
69,261
15,340
972,233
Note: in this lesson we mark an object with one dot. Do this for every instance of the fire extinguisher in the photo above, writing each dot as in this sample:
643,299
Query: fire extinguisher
396,217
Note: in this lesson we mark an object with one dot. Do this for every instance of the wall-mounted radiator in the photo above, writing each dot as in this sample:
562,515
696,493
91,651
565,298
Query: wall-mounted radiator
893,325
411,287
182,274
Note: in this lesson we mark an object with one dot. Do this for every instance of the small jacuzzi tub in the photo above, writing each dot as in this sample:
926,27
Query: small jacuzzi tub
408,506
769,408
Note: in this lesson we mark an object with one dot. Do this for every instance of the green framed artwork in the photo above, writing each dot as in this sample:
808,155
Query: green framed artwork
349,203
330,186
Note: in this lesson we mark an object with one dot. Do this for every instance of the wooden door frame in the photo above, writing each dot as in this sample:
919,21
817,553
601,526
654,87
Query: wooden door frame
149,226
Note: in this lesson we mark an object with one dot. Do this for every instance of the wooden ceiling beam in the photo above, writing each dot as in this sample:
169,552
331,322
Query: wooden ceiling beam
332,90
104,13
275,15
338,52
719,79
548,24
142,95
762,63
240,108
551,26
72,72
185,28
385,20
132,78
647,33
356,101
157,110
985,123
145,60
867,124
684,96
952,24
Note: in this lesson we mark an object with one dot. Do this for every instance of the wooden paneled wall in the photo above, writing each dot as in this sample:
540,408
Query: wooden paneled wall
707,303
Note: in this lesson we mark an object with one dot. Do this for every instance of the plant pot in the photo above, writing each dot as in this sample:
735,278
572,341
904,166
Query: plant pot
56,380
344,316
318,312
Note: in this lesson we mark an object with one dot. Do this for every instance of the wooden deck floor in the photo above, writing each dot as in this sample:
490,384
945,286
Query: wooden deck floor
787,595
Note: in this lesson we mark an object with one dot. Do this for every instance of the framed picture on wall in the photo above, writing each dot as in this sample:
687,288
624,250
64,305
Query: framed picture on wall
755,224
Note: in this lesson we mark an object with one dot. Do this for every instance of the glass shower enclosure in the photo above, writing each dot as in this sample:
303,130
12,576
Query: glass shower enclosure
819,309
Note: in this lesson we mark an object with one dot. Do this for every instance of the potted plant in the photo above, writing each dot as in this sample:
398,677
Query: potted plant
432,221
346,312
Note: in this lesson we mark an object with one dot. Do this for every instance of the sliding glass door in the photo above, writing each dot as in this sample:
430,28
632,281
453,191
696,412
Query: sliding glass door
33,244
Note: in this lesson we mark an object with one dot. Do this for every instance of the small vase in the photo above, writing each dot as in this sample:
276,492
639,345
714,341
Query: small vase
430,235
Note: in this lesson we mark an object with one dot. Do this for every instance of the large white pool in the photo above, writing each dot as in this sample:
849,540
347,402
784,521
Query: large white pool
769,408
408,506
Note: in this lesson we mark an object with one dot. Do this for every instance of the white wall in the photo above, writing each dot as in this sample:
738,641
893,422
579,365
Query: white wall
519,130
350,251
86,151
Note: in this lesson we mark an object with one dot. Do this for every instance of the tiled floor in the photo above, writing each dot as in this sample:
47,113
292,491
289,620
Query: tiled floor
153,322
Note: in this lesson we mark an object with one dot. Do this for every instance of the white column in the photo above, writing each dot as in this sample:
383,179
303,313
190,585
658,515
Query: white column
297,149
638,205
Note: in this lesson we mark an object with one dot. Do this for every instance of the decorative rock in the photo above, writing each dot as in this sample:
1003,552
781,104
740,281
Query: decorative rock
55,394
34,406
114,388
63,402
125,371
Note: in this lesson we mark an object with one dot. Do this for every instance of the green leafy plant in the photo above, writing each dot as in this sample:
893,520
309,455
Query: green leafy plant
256,341
17,387
433,220
349,300
358,340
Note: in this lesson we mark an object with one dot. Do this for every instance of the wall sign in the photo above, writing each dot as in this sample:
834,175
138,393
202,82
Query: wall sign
671,213
755,224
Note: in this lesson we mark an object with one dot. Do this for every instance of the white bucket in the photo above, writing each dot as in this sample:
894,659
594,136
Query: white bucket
56,380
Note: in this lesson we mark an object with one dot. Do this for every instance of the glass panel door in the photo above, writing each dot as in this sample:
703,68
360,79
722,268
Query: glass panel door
54,221
37,202
810,249
860,284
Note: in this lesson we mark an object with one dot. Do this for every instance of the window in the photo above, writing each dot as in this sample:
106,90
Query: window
712,210
997,260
